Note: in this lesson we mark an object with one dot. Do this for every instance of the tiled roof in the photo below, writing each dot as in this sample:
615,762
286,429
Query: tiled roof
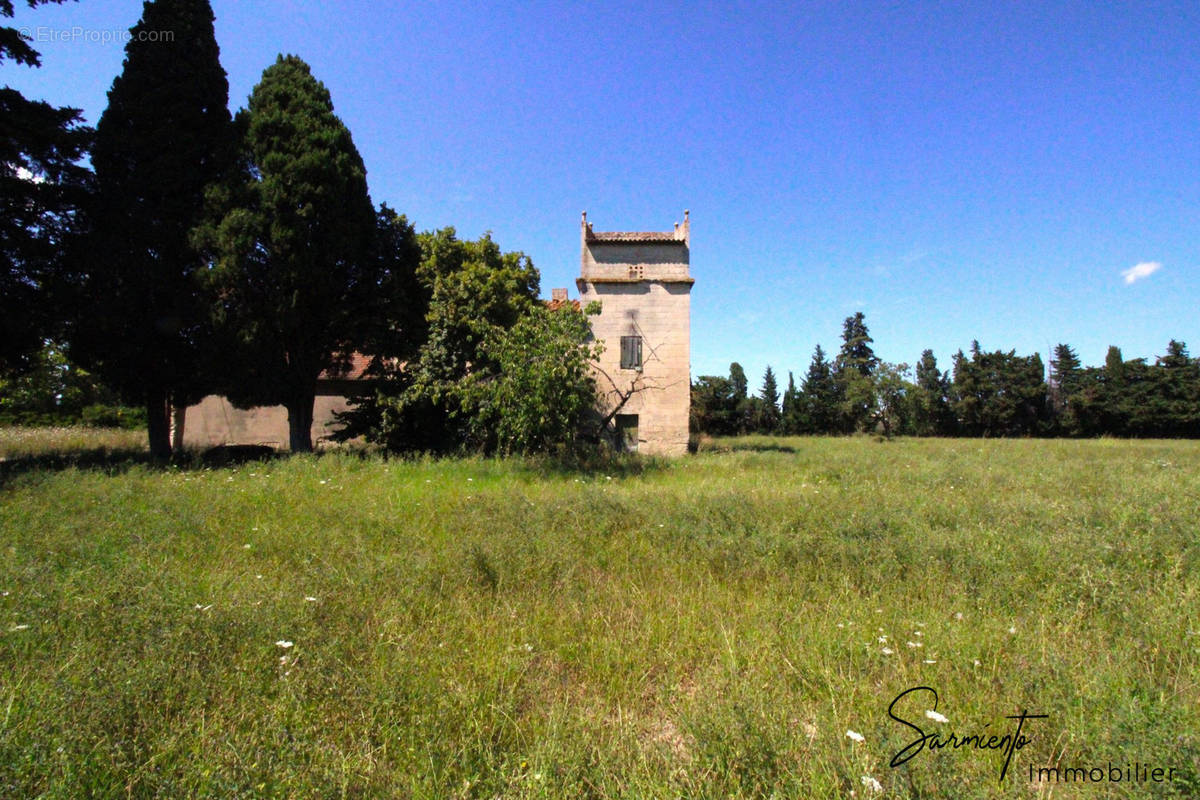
634,236
350,371
554,305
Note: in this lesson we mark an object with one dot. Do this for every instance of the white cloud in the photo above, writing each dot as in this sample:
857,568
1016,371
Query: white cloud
1142,270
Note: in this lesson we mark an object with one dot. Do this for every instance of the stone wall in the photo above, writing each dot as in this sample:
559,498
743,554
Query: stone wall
214,421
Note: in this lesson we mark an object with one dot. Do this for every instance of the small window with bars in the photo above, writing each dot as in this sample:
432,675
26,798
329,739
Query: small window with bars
631,352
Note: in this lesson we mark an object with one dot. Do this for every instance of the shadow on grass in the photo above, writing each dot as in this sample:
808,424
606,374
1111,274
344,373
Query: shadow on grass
742,446
624,465
118,461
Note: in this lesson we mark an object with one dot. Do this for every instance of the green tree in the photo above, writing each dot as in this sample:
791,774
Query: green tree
998,394
1066,371
42,187
1100,404
164,137
475,292
929,403
714,407
744,406
852,371
792,415
768,407
1169,401
291,240
892,401
538,394
737,379
856,352
820,395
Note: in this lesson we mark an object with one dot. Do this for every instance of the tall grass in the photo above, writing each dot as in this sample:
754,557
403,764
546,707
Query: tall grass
24,442
707,627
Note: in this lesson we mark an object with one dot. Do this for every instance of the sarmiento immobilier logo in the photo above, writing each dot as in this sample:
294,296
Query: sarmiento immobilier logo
917,709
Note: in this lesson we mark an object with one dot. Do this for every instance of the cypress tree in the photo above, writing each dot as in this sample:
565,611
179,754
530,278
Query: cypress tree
769,395
820,395
291,242
163,139
1066,372
930,404
790,418
852,373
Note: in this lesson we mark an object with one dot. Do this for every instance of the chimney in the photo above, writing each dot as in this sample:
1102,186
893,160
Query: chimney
558,295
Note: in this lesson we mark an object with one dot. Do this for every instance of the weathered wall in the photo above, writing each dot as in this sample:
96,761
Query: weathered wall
214,421
643,284
660,314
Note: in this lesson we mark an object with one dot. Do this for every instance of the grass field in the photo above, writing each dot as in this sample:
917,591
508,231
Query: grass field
709,627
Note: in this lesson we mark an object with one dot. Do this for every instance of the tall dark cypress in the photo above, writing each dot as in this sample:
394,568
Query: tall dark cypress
165,136
291,245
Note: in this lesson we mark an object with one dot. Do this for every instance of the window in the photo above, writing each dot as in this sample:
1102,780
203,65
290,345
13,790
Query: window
631,352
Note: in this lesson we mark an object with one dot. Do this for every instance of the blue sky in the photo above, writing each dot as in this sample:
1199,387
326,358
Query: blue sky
956,171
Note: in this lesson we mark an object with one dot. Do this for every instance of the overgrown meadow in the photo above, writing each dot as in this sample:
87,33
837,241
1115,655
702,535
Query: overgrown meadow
731,624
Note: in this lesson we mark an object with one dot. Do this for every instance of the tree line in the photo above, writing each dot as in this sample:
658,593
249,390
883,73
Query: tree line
209,253
983,393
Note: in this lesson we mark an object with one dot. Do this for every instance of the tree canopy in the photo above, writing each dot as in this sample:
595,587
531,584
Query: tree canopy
42,187
164,137
290,237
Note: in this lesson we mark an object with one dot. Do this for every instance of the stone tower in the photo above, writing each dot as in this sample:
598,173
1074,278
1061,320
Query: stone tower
642,282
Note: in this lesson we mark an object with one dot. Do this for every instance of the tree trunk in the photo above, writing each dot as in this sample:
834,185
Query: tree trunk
300,419
178,421
158,425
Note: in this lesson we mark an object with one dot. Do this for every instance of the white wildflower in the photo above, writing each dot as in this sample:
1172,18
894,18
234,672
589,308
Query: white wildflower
1012,628
871,783
882,639
246,546
958,615
930,661
855,736
935,716
914,644
310,599
19,628
203,608
285,644
977,663
887,651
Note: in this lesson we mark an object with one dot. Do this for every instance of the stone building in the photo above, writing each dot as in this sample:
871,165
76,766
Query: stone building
643,283
214,421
